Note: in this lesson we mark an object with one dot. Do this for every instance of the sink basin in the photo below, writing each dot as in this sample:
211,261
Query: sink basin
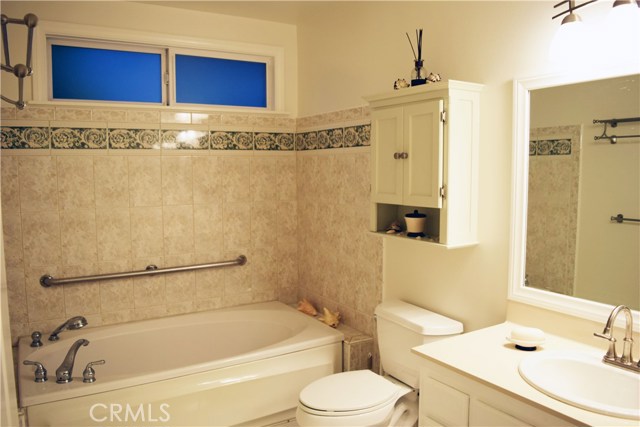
581,379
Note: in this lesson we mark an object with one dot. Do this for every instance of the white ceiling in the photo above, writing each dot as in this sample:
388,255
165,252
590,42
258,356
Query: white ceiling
287,12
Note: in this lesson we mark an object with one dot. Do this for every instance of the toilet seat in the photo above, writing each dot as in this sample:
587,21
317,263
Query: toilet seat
349,393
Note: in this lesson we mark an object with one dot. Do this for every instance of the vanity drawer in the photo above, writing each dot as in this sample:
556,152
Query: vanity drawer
442,404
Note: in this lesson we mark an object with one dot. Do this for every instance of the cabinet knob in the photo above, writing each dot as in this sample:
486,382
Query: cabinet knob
401,155
404,155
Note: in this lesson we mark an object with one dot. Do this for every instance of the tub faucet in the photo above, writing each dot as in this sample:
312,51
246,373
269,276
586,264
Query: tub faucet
64,371
76,322
611,357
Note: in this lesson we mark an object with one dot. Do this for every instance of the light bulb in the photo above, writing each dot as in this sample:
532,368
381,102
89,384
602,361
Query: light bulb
621,38
570,43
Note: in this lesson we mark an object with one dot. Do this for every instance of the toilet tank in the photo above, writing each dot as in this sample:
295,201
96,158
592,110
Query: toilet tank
402,326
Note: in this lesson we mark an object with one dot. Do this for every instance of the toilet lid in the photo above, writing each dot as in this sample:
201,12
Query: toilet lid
348,391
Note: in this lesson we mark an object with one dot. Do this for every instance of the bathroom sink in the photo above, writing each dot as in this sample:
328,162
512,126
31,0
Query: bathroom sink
581,379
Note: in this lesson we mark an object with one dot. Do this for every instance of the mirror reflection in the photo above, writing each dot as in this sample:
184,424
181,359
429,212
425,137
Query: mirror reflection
577,184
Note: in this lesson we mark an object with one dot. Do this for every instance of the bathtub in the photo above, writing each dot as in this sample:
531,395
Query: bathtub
238,366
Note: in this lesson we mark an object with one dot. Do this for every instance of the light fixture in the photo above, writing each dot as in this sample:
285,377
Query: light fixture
19,70
569,43
618,38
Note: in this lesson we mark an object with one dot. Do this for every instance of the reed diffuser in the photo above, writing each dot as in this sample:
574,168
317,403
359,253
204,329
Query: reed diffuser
418,73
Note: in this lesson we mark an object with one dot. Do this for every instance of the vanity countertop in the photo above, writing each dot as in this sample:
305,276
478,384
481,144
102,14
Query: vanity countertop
487,356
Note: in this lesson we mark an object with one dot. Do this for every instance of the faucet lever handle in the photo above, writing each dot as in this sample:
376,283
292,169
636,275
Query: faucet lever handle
41,372
611,352
89,374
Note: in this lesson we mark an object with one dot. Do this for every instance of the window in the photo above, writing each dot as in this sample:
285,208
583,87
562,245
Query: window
102,71
106,72
220,81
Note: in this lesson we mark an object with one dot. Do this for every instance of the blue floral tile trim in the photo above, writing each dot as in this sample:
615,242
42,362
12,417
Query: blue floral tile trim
357,136
185,139
24,137
144,139
84,138
307,141
550,147
226,140
274,141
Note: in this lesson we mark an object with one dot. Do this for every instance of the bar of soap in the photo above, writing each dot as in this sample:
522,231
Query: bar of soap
526,334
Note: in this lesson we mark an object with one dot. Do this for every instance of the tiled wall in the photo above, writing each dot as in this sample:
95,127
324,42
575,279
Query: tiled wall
88,191
552,222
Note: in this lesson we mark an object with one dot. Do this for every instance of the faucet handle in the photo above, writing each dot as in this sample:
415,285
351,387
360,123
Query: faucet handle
41,372
36,339
611,352
89,374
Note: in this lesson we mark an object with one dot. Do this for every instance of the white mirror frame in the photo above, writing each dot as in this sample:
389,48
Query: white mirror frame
520,166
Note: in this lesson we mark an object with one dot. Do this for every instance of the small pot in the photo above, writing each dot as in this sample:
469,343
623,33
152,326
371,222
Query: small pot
415,223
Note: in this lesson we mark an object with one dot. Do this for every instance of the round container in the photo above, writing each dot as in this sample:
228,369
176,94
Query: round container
415,223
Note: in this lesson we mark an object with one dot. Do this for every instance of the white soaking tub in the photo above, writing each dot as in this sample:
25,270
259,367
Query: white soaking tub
242,365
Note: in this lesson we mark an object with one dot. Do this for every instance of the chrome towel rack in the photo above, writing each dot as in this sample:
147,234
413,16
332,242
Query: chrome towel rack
620,219
614,123
48,281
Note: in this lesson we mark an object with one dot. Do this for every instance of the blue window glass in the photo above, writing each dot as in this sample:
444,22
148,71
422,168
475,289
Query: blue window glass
217,81
106,75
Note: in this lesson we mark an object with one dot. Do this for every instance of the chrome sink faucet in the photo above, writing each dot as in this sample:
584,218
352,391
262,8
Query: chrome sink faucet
65,370
76,322
611,357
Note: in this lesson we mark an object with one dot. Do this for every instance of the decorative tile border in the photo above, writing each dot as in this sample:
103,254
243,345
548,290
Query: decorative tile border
274,141
144,139
24,137
550,147
123,136
79,138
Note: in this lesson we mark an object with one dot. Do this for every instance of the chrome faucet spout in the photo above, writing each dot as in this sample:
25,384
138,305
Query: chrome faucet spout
626,359
65,370
76,322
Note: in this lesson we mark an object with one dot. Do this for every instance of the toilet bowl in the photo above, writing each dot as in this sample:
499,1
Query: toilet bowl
363,398
357,398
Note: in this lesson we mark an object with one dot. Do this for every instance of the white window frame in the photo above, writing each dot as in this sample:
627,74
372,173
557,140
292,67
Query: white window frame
222,55
176,44
93,44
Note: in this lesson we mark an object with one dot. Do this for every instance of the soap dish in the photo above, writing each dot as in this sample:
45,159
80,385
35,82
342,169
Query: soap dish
526,345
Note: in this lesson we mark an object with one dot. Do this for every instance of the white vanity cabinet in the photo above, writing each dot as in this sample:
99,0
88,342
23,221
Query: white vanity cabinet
424,156
448,398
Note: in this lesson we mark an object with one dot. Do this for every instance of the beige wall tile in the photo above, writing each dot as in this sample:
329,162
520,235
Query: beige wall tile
38,184
208,229
286,178
177,181
78,236
180,287
207,180
145,181
39,299
237,226
111,181
146,232
264,226
75,182
12,233
263,179
149,291
81,298
113,234
17,295
178,230
79,114
101,115
41,238
236,179
10,188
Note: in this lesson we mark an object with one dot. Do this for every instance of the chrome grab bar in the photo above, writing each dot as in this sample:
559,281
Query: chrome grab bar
48,281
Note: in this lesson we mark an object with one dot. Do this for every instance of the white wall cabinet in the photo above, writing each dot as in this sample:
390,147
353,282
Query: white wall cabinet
448,399
424,152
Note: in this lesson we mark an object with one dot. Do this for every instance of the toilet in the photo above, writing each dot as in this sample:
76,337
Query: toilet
363,398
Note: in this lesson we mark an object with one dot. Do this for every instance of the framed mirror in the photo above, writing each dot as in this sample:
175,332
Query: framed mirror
565,256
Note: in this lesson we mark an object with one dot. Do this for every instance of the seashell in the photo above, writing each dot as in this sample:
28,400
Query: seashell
400,84
306,307
433,77
329,318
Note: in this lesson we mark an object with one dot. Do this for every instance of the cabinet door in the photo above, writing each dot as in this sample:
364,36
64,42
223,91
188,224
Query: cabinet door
386,132
483,415
423,141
